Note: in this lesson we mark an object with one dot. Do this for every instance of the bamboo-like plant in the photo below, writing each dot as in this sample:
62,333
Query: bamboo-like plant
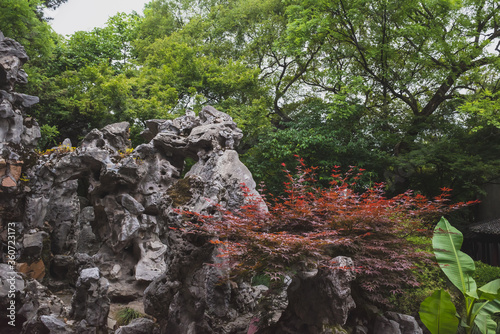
437,312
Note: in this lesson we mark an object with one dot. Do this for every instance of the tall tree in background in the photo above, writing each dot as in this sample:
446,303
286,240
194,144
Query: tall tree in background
53,4
19,20
410,64
86,84
200,60
412,54
408,89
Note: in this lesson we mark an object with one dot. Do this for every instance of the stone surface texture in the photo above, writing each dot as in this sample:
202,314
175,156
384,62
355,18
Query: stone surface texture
19,133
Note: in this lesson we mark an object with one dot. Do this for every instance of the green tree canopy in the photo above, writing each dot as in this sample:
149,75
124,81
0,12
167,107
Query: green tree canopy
19,20
406,88
52,4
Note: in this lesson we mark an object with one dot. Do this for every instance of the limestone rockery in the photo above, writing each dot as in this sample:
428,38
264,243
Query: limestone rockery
89,231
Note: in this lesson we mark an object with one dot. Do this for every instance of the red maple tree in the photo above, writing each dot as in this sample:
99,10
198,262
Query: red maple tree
310,225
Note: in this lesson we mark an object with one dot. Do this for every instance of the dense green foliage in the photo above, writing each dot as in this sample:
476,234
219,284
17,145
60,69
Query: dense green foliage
52,4
485,273
406,89
430,278
20,20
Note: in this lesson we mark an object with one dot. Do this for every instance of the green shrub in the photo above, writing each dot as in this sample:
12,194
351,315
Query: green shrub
265,279
125,315
49,135
261,279
430,278
485,273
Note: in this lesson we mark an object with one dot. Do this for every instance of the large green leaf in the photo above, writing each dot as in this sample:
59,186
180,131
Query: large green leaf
457,265
437,312
491,290
484,316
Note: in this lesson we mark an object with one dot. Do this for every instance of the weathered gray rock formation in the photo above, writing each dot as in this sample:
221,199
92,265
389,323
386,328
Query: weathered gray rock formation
18,133
394,323
90,301
310,293
138,326
101,221
128,229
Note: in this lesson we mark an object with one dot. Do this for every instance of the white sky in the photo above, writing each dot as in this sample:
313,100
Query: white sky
76,15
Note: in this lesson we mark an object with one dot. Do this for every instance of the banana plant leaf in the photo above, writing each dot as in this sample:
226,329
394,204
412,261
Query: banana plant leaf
457,265
438,313
484,319
491,290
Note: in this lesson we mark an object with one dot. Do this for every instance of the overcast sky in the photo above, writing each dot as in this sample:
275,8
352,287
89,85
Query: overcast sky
76,15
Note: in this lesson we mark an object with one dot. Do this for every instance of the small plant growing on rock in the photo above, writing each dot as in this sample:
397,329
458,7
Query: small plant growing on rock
127,152
61,149
125,315
24,178
310,225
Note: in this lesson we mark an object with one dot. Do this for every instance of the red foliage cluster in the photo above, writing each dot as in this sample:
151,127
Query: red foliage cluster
310,225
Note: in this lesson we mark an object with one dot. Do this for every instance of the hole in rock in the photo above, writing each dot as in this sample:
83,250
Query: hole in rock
83,188
188,163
